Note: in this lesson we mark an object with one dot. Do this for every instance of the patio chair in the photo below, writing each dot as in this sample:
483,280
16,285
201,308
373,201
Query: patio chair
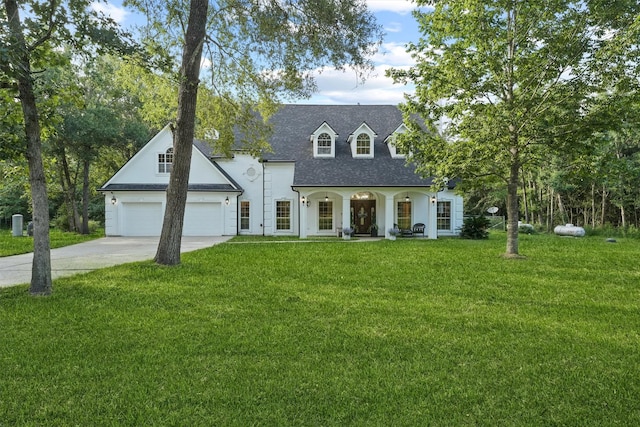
418,229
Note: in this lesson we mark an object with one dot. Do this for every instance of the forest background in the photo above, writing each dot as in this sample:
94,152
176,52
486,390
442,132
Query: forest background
97,111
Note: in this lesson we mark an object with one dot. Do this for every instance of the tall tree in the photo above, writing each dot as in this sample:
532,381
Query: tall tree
30,43
257,52
169,246
504,82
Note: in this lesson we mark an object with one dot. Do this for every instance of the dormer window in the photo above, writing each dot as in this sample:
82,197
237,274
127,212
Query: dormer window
165,161
396,151
324,144
361,142
324,141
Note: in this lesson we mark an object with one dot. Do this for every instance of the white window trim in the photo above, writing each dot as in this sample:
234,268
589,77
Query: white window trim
391,142
276,230
157,163
353,142
316,147
451,208
248,229
324,128
329,231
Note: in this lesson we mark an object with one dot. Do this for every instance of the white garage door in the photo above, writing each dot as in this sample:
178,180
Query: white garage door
142,219
202,219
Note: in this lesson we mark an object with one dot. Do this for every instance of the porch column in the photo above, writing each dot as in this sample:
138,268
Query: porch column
432,223
303,216
388,215
346,212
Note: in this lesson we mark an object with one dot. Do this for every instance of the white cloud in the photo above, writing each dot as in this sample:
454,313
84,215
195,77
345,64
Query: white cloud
342,87
394,54
397,6
393,27
116,13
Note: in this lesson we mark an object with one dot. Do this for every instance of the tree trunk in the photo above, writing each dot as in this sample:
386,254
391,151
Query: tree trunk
593,205
69,191
41,267
171,237
604,206
85,197
525,199
512,210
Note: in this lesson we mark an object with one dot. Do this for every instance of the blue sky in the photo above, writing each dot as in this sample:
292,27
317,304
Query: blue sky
338,87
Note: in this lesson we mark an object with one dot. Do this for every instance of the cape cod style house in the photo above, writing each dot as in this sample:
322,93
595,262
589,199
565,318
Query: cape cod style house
332,166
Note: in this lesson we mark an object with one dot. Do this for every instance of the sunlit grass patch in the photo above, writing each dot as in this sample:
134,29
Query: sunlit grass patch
411,332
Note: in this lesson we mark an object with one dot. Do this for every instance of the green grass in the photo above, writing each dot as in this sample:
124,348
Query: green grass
10,245
404,333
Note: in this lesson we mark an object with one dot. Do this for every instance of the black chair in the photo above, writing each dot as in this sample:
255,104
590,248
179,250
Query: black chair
418,229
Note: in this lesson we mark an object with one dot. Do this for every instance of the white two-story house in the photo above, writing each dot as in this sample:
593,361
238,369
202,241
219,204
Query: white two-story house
332,166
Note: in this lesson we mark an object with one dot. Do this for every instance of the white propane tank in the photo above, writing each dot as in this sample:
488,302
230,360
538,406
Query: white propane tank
569,230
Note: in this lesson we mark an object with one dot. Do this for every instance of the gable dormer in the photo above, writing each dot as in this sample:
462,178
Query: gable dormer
324,141
396,152
361,142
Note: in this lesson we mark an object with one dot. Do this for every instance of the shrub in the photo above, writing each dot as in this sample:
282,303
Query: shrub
475,227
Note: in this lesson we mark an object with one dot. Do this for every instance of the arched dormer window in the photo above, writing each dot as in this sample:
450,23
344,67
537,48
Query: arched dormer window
396,151
363,145
324,141
324,144
361,142
165,161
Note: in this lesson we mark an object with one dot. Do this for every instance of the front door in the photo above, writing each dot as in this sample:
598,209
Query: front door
363,214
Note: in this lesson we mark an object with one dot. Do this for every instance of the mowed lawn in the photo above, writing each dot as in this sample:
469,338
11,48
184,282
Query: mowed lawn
404,333
10,245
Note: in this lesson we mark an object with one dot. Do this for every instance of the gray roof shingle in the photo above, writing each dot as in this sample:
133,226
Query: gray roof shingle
294,124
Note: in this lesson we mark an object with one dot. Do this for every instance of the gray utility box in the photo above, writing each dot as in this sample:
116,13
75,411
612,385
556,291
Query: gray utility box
16,225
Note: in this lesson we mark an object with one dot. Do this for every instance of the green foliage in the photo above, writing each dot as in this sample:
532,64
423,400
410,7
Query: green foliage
256,54
475,227
407,333
501,85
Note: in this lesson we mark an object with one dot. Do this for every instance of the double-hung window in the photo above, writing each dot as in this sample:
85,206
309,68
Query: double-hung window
363,144
404,215
283,215
444,216
324,144
244,215
325,216
165,161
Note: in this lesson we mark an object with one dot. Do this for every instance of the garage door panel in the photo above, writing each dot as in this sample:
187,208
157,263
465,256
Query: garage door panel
143,219
202,219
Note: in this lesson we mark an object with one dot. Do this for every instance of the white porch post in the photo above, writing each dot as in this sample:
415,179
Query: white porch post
303,216
432,225
388,214
346,212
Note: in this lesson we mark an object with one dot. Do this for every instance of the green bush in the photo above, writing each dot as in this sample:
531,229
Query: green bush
475,227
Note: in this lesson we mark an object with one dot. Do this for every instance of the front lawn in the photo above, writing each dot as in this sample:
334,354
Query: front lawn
10,245
405,333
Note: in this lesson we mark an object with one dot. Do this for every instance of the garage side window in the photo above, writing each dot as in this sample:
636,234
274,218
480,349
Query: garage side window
283,215
244,215
165,160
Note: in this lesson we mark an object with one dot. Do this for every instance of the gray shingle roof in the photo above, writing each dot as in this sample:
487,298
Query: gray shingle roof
294,124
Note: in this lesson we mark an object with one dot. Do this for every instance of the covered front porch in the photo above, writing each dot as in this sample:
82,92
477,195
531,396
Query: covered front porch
326,211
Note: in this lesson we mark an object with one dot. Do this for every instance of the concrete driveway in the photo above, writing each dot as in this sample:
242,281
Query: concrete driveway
93,255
